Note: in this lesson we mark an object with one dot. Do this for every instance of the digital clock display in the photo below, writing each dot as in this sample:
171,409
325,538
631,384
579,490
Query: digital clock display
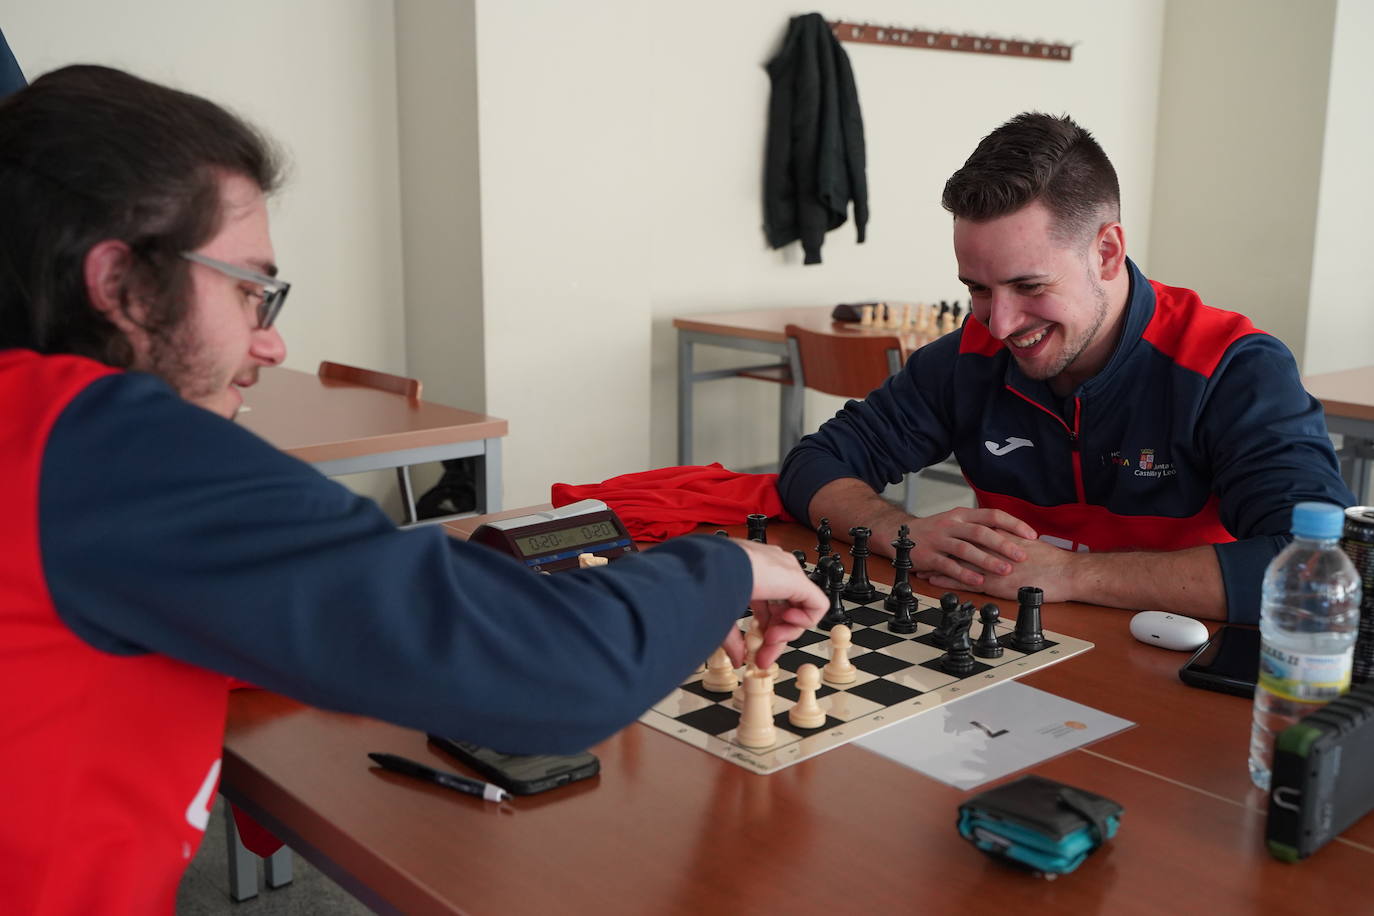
567,538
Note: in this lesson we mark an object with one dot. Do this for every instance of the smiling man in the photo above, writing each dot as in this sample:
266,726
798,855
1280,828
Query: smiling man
1127,444
153,549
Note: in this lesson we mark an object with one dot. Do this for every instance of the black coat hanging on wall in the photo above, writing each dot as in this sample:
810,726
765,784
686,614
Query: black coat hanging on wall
814,164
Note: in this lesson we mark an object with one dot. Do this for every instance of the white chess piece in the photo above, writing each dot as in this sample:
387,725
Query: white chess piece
807,713
720,674
590,559
752,640
946,322
906,316
866,316
839,670
756,728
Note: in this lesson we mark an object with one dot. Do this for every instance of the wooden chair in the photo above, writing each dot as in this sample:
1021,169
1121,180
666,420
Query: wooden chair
382,381
847,366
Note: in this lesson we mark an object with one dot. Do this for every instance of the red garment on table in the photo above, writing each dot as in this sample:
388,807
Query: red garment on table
666,502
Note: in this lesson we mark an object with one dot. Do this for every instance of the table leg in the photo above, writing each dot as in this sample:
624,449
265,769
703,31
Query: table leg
684,399
243,865
488,478
791,415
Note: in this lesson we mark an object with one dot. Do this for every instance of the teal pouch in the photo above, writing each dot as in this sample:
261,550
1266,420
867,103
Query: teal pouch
1039,824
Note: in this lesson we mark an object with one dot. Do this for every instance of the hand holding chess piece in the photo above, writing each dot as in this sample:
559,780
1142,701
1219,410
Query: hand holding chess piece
784,602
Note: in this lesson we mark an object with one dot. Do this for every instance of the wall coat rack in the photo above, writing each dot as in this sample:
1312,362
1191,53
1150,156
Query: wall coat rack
868,33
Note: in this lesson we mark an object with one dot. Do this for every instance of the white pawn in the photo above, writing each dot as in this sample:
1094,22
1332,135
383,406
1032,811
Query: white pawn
807,713
756,728
585,560
752,640
906,316
866,316
946,322
720,674
839,670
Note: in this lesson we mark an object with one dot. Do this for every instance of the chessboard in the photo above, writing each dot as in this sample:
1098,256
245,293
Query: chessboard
898,676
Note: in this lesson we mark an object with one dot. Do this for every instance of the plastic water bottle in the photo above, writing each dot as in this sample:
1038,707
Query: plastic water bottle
1309,617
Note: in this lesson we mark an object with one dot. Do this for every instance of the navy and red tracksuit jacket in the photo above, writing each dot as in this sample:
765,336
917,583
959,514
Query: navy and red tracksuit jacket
152,550
1197,431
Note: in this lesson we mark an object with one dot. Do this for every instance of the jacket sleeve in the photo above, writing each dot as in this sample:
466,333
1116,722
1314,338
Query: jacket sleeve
1268,446
901,427
167,529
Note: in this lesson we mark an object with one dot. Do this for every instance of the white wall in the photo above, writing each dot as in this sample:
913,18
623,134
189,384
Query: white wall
1340,319
441,199
1239,162
319,77
621,161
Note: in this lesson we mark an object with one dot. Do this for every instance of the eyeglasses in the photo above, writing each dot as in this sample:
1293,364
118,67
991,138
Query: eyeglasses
273,290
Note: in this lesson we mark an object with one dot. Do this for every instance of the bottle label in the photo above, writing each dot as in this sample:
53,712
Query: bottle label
1304,678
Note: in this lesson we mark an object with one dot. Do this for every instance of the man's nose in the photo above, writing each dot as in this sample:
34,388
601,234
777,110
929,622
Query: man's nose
268,346
1004,315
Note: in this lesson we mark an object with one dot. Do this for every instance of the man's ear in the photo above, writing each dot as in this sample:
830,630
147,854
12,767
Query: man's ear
1110,251
107,269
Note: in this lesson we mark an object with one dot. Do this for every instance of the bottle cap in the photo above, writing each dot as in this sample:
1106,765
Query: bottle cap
1317,520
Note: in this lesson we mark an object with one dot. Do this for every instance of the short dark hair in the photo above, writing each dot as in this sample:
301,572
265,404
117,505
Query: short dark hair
1032,157
91,153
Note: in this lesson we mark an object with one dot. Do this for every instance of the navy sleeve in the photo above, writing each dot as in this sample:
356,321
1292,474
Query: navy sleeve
165,528
11,77
1267,442
901,427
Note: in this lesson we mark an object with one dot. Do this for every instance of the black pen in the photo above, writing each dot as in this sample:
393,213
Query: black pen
440,778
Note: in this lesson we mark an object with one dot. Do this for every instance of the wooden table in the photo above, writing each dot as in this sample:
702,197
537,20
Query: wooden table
1348,398
757,331
344,428
669,829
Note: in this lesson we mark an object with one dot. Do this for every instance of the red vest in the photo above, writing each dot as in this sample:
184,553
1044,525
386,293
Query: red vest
108,763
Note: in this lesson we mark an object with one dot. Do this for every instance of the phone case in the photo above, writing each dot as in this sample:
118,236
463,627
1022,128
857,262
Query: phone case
522,774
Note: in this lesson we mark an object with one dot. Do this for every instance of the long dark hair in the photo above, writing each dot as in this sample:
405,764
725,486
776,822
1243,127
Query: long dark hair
91,153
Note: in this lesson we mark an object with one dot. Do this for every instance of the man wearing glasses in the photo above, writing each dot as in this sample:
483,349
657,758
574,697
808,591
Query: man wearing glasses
153,548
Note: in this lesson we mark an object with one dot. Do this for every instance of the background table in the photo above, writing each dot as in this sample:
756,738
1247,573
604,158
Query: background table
757,331
667,828
344,428
1348,398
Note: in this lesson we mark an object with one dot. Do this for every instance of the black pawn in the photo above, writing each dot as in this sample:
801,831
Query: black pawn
958,657
949,603
722,533
901,603
758,527
834,589
1028,636
823,535
859,589
987,645
801,558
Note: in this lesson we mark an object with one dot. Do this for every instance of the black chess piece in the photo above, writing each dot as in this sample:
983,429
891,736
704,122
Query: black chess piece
901,603
1028,636
987,645
823,535
949,603
820,574
958,657
758,527
859,589
722,533
834,590
801,558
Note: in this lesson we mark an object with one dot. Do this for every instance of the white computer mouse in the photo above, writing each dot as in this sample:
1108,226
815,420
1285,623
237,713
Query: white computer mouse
1168,631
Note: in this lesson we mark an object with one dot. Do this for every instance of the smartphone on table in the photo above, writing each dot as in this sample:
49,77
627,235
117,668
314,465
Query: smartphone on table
521,774
1228,662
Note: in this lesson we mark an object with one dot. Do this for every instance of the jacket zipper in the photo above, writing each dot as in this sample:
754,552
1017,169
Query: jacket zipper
1074,438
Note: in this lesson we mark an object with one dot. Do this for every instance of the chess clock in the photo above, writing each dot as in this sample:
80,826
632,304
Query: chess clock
550,541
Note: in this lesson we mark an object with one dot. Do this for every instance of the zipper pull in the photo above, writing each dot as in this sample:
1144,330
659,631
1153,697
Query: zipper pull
1073,440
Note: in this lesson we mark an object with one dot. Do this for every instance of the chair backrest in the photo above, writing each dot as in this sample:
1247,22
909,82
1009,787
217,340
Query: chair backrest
845,365
370,378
